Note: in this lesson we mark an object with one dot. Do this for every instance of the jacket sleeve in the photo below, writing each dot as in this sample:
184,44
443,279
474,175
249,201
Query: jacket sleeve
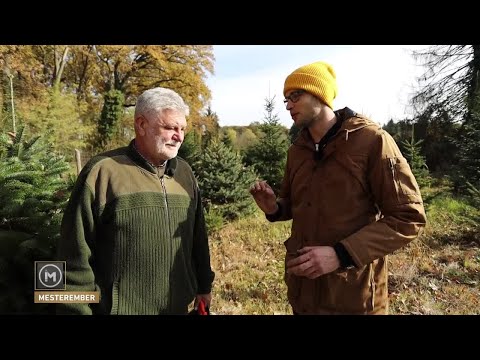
76,238
397,195
201,251
284,211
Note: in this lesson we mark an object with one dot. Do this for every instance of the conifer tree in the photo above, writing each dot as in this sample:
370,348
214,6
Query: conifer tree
224,181
111,114
190,147
268,156
474,193
293,133
228,137
418,164
469,149
417,161
33,193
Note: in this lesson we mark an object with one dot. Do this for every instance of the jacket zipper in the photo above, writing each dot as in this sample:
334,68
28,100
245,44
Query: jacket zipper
164,189
394,176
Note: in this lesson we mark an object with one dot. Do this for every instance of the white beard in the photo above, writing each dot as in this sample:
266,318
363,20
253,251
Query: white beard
166,151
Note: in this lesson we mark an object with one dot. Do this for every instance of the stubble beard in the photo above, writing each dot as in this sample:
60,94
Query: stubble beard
303,123
166,151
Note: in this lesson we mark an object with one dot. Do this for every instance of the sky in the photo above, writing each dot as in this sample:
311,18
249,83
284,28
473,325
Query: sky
374,80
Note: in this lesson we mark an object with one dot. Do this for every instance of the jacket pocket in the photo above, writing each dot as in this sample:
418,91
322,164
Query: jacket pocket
405,185
291,247
292,281
347,292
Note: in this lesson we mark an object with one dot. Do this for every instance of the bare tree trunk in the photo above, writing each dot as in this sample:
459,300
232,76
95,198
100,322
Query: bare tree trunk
82,79
60,66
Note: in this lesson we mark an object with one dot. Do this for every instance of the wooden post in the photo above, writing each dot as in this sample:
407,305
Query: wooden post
78,159
10,76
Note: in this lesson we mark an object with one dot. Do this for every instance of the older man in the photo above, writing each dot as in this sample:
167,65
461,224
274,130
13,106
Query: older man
134,226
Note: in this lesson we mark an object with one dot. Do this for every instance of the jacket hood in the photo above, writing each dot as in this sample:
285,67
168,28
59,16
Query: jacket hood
351,122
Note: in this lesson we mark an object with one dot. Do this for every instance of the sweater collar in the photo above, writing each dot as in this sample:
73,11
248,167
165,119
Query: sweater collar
133,153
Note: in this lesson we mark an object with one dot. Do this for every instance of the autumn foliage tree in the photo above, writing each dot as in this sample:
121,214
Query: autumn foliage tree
89,72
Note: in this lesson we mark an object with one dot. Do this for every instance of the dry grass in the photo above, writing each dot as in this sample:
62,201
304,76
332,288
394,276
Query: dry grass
437,274
442,280
247,257
440,273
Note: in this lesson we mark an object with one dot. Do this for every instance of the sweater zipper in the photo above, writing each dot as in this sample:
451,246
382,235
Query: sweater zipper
162,181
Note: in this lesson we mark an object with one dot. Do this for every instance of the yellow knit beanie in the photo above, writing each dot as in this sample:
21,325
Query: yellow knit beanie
318,79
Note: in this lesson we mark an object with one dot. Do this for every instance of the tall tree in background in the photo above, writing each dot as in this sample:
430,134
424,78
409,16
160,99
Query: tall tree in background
469,150
451,86
41,102
57,116
210,120
27,70
8,109
451,79
83,71
112,113
134,69
16,76
207,127
438,132
400,130
435,132
53,60
269,154
91,71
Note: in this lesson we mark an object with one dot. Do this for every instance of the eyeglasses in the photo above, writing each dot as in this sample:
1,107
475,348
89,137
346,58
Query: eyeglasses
294,96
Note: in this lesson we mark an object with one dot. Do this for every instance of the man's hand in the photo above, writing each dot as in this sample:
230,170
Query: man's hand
264,197
314,261
207,298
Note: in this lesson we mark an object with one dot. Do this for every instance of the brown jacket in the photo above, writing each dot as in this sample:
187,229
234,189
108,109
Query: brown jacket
362,193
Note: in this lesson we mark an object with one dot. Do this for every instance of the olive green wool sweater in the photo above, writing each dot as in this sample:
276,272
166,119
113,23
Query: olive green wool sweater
135,235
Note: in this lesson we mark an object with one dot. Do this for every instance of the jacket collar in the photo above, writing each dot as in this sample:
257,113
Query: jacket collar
138,159
351,121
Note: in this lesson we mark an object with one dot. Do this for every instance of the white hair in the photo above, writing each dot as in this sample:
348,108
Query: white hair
157,99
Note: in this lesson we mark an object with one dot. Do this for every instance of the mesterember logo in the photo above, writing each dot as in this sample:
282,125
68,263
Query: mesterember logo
50,278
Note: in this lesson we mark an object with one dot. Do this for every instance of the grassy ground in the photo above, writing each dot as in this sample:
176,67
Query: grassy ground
437,274
440,273
247,257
